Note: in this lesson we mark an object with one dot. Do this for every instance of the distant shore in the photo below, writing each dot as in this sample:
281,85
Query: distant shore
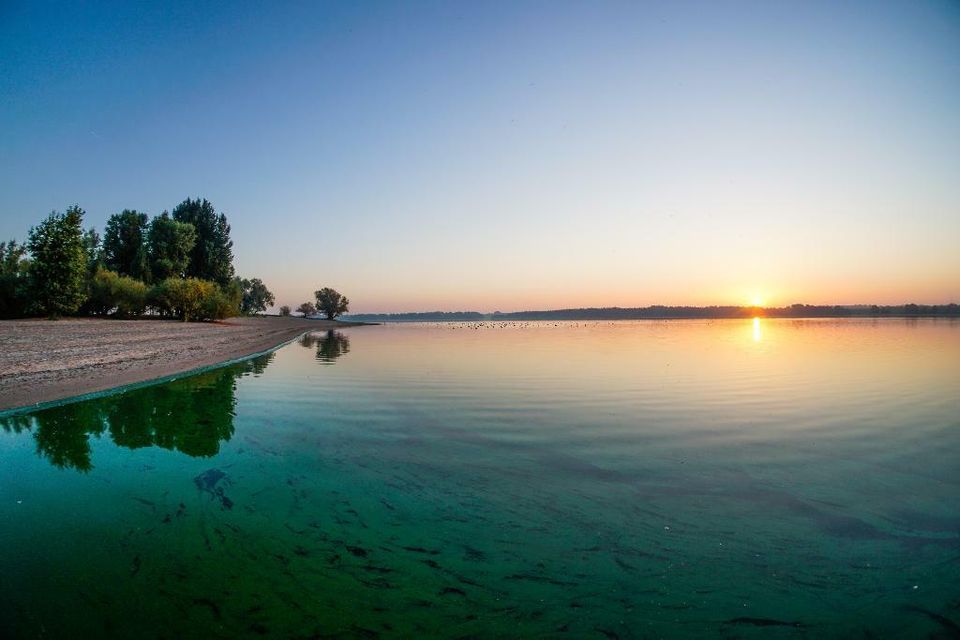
661,312
44,360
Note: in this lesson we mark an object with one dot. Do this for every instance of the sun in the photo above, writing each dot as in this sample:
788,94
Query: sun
756,301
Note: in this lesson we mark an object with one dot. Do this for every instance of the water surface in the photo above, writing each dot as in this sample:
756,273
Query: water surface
612,480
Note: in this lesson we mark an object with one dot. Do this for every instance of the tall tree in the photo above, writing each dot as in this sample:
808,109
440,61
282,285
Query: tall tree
212,255
59,263
169,244
331,303
124,247
256,296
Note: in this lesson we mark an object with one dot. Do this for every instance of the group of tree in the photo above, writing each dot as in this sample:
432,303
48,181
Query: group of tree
329,302
176,265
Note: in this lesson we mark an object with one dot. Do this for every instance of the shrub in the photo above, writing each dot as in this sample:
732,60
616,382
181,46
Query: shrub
195,299
285,310
100,299
131,297
110,292
158,299
221,303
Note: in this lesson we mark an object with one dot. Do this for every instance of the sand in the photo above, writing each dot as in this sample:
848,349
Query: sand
44,360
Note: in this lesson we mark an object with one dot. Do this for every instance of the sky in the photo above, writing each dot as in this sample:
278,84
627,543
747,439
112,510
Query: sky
509,155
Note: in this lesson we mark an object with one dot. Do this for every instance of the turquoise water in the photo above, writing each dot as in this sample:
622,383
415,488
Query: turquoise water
673,479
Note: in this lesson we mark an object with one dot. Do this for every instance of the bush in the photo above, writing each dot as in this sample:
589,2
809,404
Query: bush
131,296
195,299
121,295
159,300
222,302
284,310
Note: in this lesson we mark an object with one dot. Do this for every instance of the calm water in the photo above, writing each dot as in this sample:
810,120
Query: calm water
611,480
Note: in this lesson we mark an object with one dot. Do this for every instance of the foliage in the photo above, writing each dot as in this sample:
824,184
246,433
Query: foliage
223,303
122,295
13,279
255,296
307,309
59,263
195,299
93,249
169,244
331,303
124,245
211,257
185,297
187,255
284,310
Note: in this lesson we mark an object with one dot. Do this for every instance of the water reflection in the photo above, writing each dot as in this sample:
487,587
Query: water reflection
193,416
757,330
330,345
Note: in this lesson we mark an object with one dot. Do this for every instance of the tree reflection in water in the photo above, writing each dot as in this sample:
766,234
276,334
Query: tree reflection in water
330,345
193,416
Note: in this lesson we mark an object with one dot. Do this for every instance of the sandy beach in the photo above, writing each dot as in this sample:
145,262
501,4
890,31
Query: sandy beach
44,360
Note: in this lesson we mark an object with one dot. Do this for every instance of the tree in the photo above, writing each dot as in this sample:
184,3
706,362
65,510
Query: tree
331,303
91,245
211,257
13,279
255,296
169,244
59,263
124,244
307,309
284,310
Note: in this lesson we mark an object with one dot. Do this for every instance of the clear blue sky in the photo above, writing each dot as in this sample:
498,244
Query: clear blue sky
487,155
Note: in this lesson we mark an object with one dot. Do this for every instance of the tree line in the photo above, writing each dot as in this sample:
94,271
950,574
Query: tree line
659,312
177,264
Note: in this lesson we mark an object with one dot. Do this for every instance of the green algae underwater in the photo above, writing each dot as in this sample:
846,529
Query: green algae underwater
679,479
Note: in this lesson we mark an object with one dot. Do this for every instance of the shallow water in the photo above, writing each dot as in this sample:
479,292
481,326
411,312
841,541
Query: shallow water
612,480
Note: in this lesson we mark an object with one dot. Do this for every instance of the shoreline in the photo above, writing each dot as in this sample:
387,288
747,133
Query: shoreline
45,362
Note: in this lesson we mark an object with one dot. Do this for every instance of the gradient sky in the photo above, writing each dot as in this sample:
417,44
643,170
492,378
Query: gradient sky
507,156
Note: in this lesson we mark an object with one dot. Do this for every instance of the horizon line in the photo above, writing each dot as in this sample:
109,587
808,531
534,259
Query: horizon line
717,307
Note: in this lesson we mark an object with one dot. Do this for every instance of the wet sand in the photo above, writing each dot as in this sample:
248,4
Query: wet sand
44,360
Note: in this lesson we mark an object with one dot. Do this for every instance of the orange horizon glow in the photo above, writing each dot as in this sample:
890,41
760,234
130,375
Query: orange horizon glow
489,288
456,301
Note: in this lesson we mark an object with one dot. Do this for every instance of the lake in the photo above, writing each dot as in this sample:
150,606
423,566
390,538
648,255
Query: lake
677,479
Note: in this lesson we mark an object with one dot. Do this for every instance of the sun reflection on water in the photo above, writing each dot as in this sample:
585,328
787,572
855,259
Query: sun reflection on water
757,330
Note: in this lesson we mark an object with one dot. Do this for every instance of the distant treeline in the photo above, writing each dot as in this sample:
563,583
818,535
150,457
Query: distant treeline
659,312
